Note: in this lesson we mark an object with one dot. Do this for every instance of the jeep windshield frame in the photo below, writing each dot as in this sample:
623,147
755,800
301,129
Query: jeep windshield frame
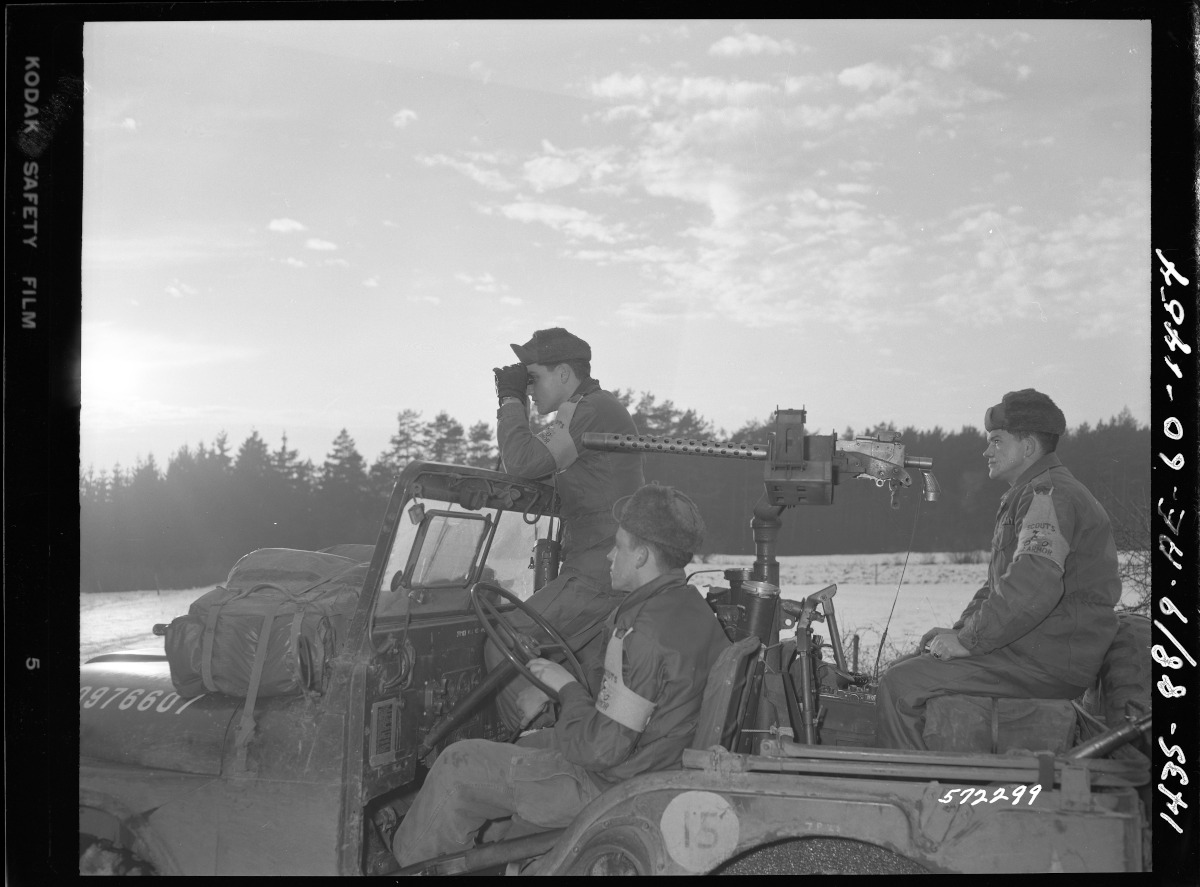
447,527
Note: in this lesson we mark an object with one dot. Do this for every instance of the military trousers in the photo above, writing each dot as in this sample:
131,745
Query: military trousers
909,684
577,601
475,781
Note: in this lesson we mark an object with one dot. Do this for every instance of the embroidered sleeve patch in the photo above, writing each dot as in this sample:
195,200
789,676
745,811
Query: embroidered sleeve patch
1040,533
558,440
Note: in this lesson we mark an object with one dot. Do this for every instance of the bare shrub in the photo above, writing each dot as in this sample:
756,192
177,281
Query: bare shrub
968,557
1130,520
870,661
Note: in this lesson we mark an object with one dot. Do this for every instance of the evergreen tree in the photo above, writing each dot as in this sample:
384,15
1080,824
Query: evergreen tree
344,470
186,526
481,450
346,509
221,451
253,457
447,441
283,459
406,445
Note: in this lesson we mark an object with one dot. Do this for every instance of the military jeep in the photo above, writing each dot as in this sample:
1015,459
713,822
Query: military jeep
166,788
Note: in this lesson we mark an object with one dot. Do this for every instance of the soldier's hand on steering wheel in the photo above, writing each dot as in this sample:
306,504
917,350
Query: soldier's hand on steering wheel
551,674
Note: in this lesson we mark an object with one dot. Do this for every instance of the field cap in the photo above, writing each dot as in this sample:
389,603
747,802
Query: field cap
1025,410
552,346
661,514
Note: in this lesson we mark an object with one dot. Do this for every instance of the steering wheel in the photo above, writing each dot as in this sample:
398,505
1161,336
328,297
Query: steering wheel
519,648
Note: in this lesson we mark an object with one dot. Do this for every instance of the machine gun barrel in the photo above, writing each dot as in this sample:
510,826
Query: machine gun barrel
651,443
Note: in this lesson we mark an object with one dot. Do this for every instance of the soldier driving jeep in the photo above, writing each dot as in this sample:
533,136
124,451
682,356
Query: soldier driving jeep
637,713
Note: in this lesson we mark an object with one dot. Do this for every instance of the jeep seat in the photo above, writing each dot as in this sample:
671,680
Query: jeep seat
986,724
726,695
983,724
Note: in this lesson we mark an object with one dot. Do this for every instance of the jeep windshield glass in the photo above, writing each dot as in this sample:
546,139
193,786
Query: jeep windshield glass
446,550
440,550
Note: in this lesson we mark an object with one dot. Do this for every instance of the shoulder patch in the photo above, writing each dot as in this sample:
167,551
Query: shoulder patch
557,437
1040,534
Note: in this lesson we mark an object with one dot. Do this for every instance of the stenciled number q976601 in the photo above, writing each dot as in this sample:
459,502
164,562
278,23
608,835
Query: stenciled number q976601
105,696
973,796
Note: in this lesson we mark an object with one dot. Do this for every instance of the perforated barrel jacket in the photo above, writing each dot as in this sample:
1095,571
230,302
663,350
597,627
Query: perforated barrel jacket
1052,579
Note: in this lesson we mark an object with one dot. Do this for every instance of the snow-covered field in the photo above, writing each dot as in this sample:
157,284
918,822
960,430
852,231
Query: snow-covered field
933,592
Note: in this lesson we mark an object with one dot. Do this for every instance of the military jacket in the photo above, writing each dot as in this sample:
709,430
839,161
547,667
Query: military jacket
589,482
670,639
1052,578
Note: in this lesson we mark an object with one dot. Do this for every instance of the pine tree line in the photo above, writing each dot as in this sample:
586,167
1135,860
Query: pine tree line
186,525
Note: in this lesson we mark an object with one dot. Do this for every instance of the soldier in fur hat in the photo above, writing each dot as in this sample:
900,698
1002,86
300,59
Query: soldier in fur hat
1040,627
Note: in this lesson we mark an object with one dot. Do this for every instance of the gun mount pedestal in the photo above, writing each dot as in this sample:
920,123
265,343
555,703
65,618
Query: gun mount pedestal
800,469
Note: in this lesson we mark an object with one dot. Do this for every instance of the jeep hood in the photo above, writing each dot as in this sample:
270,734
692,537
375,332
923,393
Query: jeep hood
129,713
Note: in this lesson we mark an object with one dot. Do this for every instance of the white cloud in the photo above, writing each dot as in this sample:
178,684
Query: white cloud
129,123
177,289
569,220
489,178
619,86
339,263
623,112
403,118
751,44
948,53
548,172
418,297
484,283
870,76
710,89
371,281
944,56
805,83
480,70
295,263
515,301
284,226
315,243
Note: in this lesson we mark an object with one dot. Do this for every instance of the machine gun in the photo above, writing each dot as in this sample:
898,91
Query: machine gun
801,469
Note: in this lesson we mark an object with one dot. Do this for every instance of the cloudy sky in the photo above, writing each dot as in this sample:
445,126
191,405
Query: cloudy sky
299,227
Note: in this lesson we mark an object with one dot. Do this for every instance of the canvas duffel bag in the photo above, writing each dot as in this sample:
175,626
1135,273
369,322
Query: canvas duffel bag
269,631
272,627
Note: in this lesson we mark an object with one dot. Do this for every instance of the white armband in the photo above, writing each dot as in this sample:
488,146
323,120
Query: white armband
615,700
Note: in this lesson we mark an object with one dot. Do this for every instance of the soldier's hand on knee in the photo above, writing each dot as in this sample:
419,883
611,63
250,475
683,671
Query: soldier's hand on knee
947,646
930,635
